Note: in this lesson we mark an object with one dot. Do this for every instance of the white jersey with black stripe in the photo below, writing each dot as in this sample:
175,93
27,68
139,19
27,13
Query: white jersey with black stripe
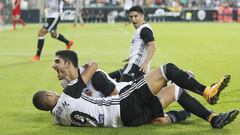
138,49
54,8
87,111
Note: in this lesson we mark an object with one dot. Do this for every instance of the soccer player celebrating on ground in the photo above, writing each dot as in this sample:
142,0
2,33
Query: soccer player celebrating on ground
54,10
141,50
137,103
16,13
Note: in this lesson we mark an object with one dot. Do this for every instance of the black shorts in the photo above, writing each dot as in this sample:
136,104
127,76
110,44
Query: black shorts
133,70
51,24
138,105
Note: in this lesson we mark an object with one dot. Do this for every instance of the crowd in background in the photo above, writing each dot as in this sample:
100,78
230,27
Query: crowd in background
35,4
162,3
222,6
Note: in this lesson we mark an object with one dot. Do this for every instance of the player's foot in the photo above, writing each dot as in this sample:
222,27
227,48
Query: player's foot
36,58
69,45
222,119
212,93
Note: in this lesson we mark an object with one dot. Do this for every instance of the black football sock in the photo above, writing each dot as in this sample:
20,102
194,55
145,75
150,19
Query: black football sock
40,45
177,116
190,104
182,78
62,38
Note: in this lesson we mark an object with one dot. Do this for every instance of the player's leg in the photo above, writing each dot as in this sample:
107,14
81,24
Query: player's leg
183,79
172,117
186,81
216,120
14,19
75,18
21,21
47,27
42,32
155,81
169,94
58,36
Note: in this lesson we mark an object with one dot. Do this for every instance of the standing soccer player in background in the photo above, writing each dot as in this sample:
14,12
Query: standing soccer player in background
78,12
141,50
54,10
16,13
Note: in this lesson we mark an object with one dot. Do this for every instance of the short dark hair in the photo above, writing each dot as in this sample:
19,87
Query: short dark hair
137,8
40,100
68,55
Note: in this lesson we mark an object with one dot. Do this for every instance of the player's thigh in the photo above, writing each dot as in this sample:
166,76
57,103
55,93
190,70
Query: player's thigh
42,32
167,95
155,80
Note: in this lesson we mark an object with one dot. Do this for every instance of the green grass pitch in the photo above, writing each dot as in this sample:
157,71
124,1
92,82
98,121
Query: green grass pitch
210,50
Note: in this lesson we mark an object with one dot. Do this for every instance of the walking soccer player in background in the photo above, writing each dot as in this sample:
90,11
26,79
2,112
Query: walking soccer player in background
16,14
54,10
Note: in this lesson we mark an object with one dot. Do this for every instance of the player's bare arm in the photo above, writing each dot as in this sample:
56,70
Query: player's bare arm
151,47
88,73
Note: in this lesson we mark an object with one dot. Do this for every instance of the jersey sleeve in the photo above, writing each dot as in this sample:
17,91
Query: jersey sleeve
146,35
101,83
75,88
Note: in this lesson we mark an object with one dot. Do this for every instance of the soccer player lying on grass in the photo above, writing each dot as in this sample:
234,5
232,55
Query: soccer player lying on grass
102,85
137,103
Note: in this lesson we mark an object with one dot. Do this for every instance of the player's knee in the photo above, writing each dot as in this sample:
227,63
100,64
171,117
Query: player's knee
178,92
126,78
168,70
42,32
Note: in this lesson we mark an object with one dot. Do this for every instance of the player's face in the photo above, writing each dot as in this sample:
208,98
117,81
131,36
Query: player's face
60,66
136,18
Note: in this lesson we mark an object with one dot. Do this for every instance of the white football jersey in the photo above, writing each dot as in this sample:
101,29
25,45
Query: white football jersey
87,111
138,49
96,93
54,8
